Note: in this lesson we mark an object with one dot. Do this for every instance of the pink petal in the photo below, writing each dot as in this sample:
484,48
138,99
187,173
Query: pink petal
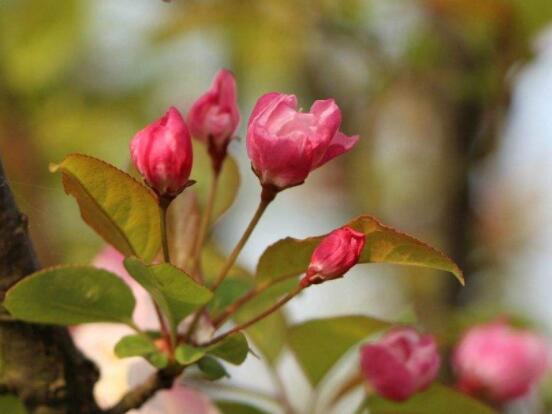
269,100
340,144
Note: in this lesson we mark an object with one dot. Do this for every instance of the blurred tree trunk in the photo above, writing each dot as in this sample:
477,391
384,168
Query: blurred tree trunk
38,363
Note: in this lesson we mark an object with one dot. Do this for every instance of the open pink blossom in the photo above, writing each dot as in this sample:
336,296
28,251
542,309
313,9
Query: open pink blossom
334,256
285,145
162,152
400,364
499,362
214,117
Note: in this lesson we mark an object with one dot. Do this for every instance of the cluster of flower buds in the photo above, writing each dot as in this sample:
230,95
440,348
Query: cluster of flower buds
284,144
494,361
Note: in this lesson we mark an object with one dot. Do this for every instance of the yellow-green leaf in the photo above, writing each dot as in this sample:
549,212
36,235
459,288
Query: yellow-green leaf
318,344
120,209
71,295
290,257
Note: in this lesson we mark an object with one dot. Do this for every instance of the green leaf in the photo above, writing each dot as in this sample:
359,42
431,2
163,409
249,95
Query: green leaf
290,257
233,407
176,294
120,209
158,359
318,344
134,345
228,292
186,354
438,399
228,185
233,349
71,295
10,404
141,345
212,369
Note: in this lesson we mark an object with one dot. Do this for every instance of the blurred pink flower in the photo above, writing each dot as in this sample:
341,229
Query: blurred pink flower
214,117
285,145
500,362
178,400
400,364
162,152
334,256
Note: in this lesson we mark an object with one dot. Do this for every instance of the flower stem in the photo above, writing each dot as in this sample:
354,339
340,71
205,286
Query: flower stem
257,318
252,294
205,220
163,208
267,196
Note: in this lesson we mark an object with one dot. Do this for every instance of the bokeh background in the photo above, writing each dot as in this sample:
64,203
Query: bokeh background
452,100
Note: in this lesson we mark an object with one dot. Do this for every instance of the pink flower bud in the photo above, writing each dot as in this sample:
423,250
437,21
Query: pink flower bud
285,145
214,117
334,256
162,152
499,362
400,364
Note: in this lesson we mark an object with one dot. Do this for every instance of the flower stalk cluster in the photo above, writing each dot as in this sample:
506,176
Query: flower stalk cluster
284,145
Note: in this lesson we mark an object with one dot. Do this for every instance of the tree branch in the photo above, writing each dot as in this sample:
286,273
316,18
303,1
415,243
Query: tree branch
39,363
139,395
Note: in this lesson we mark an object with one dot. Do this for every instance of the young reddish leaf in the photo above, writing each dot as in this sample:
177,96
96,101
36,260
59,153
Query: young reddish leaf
71,295
176,293
291,257
228,185
120,209
318,344
438,399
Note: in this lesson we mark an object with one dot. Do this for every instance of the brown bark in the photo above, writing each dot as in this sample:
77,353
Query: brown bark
38,363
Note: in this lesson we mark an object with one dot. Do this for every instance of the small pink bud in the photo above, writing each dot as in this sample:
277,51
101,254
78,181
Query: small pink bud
214,117
162,152
499,362
400,364
334,256
285,145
